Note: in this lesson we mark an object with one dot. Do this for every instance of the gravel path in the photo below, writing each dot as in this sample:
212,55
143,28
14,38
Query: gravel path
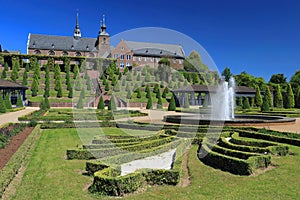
13,116
161,161
294,128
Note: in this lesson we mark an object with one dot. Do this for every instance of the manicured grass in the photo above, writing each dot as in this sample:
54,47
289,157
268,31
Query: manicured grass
50,176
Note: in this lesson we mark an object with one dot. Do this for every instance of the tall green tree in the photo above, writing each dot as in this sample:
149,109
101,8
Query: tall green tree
80,103
128,96
165,92
258,97
295,81
3,74
172,103
34,87
278,100
159,103
278,79
246,104
227,74
19,101
6,67
14,74
2,104
265,107
149,103
25,77
186,101
7,102
290,101
138,93
297,98
75,71
70,94
112,103
194,63
269,96
101,105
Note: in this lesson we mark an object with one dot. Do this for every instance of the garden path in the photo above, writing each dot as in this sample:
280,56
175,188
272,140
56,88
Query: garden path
13,116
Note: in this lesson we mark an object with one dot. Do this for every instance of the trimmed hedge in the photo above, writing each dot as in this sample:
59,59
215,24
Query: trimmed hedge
232,164
9,130
127,140
264,136
8,172
128,157
274,148
78,125
84,154
108,182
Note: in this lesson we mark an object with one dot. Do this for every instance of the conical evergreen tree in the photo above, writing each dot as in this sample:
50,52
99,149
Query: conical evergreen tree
7,102
278,100
19,101
138,93
128,96
80,103
172,104
24,80
297,98
258,97
159,103
75,71
165,92
265,105
112,103
70,94
246,104
149,103
290,101
269,96
186,101
34,87
101,105
3,74
2,105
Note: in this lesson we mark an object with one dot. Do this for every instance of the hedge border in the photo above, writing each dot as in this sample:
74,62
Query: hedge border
20,158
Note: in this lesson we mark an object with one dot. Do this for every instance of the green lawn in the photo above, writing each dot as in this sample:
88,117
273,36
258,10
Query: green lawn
50,176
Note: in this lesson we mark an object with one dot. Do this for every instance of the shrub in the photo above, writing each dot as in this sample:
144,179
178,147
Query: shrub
101,105
2,104
149,103
172,104
19,101
7,102
246,104
112,103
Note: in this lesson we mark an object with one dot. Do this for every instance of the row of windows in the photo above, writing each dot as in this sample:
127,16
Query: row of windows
122,56
146,59
122,65
64,53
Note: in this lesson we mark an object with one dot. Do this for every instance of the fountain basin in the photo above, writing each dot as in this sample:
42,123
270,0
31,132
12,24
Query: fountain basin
239,120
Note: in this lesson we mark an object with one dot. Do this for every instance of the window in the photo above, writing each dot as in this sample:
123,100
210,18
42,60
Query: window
174,61
51,53
115,55
122,65
65,53
37,52
134,58
180,61
122,56
145,59
122,48
157,59
140,59
91,55
151,59
127,64
78,53
128,57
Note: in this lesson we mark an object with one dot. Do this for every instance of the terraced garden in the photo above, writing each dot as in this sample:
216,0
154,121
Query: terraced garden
242,152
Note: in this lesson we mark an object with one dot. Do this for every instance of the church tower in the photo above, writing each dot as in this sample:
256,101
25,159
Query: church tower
77,32
103,40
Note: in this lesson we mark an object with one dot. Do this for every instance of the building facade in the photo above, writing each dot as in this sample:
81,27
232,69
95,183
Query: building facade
75,45
131,53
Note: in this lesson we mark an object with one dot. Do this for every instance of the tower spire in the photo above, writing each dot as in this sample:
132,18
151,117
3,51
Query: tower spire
103,27
77,32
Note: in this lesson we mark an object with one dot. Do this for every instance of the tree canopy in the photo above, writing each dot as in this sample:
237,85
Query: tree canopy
194,63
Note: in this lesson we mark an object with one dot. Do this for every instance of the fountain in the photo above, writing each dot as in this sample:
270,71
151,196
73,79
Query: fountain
223,108
222,111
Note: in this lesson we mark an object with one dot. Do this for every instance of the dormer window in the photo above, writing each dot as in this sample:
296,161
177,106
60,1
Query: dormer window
87,47
52,46
33,44
72,47
160,52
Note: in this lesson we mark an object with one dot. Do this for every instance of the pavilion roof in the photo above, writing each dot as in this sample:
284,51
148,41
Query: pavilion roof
10,84
212,89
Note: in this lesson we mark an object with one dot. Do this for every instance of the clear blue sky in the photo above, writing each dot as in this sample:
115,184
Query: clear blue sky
261,37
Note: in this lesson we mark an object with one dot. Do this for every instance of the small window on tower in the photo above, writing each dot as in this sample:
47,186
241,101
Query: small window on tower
104,40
